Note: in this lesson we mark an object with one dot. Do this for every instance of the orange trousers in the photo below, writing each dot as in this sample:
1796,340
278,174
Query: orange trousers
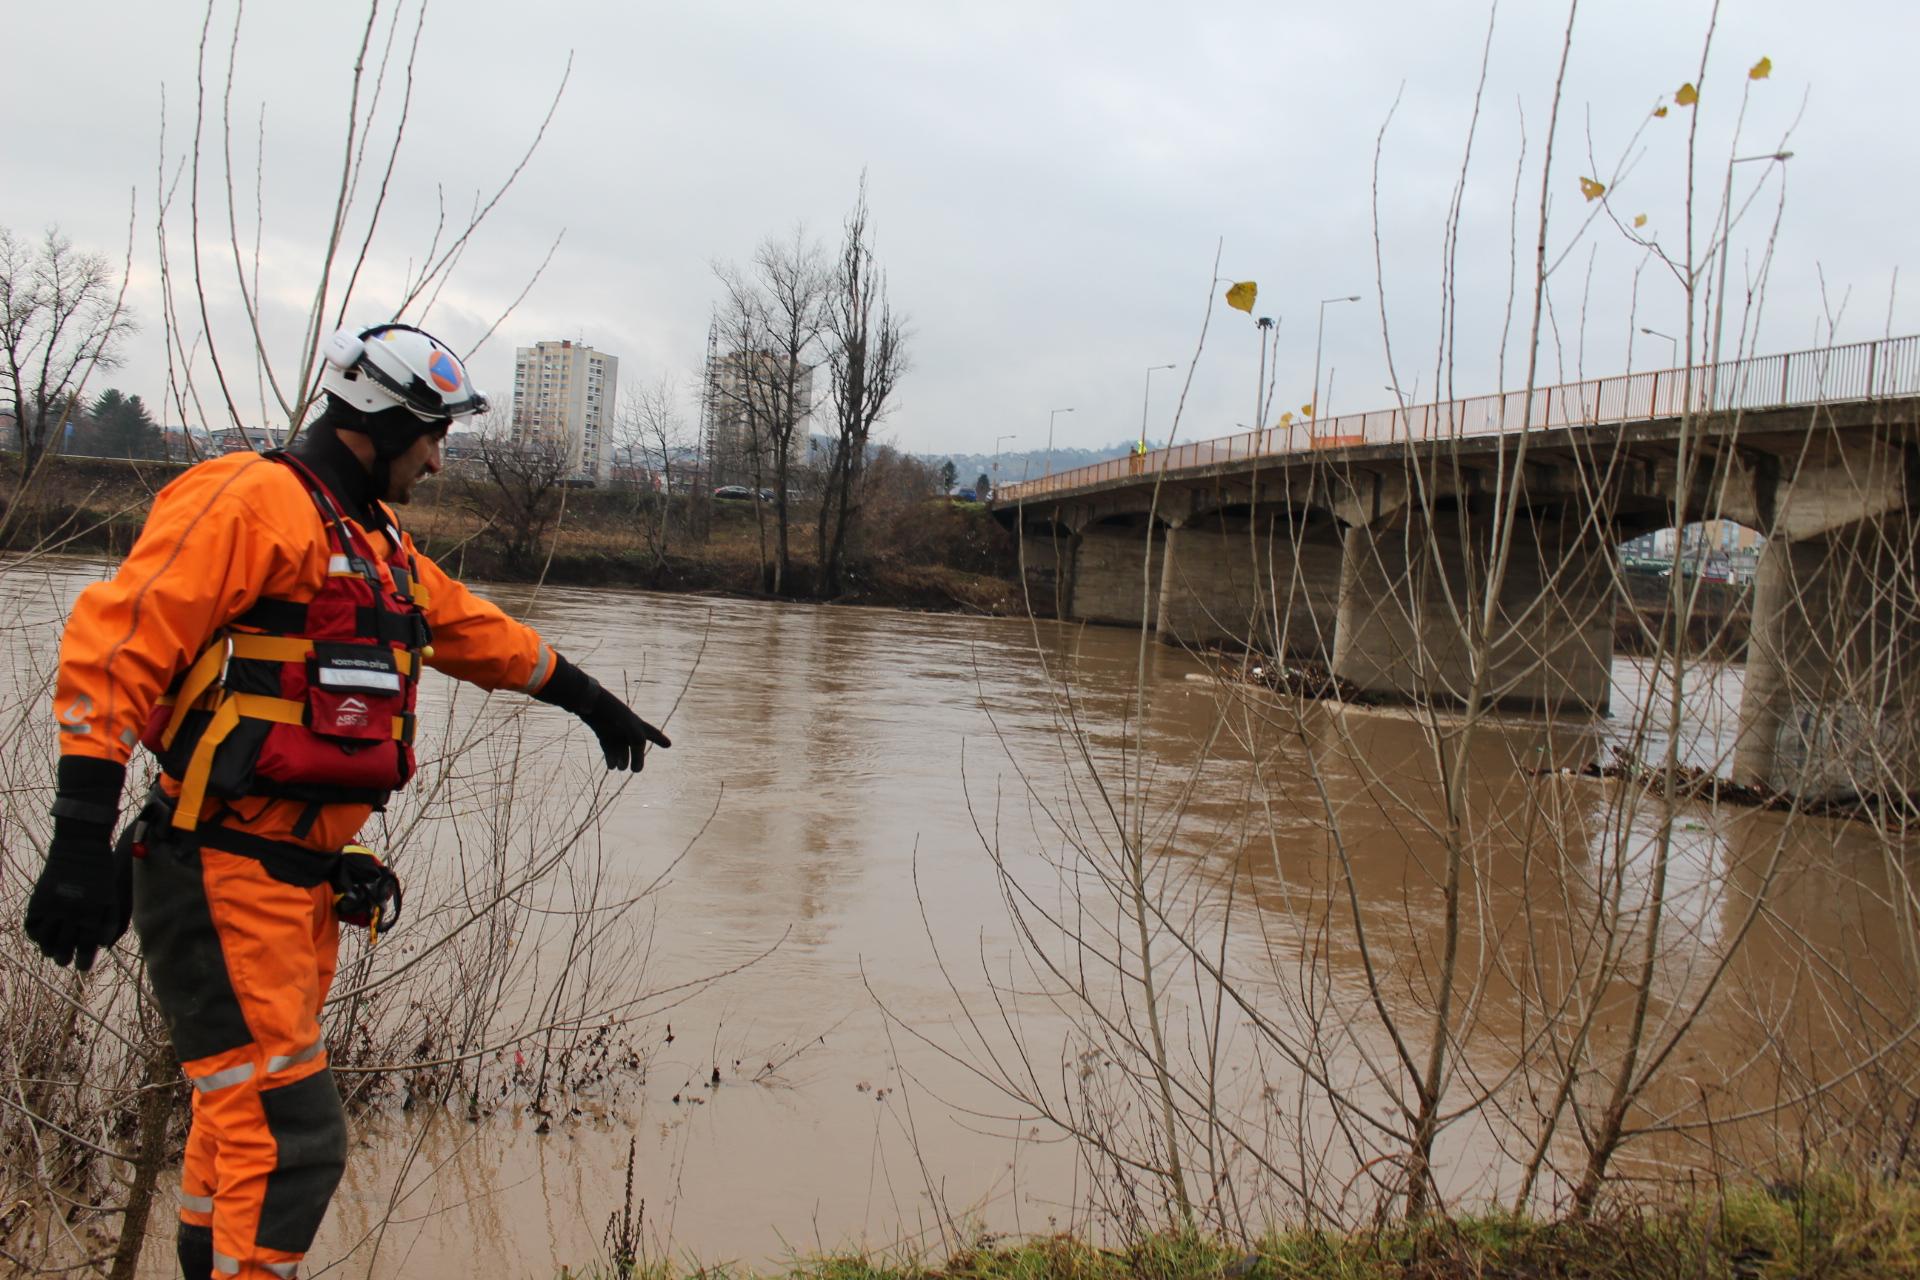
240,963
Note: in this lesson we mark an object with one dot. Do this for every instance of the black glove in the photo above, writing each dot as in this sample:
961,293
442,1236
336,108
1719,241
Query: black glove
624,736
84,897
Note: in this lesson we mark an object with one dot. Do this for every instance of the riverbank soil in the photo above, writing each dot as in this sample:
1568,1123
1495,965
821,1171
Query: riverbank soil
935,555
927,554
1717,615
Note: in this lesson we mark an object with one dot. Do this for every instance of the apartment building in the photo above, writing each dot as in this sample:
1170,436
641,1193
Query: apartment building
564,394
749,396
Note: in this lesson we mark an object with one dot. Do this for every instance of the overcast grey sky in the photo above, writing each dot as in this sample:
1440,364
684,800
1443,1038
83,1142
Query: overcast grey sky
1048,181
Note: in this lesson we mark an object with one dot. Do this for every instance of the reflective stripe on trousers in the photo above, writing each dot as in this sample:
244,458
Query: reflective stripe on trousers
240,964
231,1266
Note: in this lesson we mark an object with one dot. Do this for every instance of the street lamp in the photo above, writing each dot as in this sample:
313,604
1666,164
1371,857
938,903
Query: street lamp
996,456
1406,399
1050,417
1655,333
1263,326
1151,370
1726,244
1318,330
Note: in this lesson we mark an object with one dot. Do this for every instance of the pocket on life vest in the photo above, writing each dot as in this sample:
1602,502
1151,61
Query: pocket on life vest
354,691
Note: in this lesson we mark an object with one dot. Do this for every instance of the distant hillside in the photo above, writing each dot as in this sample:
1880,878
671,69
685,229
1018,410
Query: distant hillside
1030,463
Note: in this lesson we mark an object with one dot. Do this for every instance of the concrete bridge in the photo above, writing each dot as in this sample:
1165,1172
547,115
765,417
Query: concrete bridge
1365,543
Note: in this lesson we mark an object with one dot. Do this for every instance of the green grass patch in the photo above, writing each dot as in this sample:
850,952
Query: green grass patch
1823,1227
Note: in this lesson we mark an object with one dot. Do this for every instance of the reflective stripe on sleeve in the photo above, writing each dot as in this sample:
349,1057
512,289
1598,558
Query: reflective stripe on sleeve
286,1270
223,1079
540,670
198,1204
225,1265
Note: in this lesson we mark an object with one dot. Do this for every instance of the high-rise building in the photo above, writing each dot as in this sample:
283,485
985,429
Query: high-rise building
563,396
749,397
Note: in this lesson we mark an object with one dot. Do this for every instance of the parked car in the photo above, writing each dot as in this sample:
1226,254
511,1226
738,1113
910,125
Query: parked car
733,493
964,495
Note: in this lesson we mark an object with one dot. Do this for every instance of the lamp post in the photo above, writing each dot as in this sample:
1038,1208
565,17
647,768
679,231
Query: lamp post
1262,326
1655,333
1050,417
1319,330
996,456
1405,401
1151,370
1726,239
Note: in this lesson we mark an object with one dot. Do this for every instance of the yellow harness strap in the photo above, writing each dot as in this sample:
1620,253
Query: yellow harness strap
234,708
200,678
206,673
242,644
193,786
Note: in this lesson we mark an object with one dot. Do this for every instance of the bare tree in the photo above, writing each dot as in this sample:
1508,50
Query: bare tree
209,363
651,429
95,1111
867,353
518,487
772,322
1443,937
737,448
61,317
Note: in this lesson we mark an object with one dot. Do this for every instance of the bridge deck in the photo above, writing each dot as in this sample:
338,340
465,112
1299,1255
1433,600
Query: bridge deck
1860,372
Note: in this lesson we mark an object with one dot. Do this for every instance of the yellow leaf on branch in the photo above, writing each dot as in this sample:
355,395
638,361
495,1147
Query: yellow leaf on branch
1639,219
1306,410
1660,112
1686,95
1240,297
1592,190
1761,69
1286,419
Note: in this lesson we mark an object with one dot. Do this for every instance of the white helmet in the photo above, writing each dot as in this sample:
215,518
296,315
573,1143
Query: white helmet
396,364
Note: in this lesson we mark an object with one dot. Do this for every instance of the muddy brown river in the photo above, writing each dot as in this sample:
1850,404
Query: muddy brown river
859,806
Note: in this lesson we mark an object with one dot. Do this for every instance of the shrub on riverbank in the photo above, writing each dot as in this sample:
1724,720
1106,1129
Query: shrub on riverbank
1834,1227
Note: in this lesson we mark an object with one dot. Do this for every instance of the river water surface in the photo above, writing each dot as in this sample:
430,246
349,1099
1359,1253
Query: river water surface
840,782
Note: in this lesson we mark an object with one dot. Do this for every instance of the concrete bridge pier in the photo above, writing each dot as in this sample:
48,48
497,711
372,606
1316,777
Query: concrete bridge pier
1220,578
1831,707
1109,579
1046,566
1411,590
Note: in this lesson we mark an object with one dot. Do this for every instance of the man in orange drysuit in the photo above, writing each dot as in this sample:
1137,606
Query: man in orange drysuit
264,637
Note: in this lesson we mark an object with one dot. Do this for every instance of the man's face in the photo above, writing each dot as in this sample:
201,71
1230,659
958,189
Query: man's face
413,466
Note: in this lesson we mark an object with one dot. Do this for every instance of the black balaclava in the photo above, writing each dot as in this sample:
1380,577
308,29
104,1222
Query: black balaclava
392,431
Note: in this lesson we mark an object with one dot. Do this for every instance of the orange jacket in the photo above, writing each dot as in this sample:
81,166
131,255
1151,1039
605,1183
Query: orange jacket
221,536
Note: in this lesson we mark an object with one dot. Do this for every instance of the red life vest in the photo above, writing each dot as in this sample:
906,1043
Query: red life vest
304,699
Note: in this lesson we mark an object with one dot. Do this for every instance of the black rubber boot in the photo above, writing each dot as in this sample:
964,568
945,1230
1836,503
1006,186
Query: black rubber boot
194,1245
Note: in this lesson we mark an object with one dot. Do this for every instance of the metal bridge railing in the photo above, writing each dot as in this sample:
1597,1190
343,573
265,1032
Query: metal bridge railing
1876,370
